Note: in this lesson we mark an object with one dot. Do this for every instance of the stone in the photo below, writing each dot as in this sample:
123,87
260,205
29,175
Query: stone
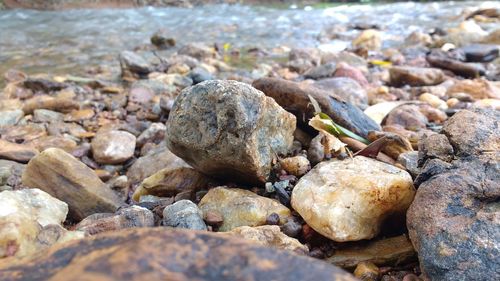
43,85
113,147
184,214
407,116
346,88
369,39
198,51
200,74
294,97
391,251
347,71
409,160
434,146
132,64
480,52
177,178
296,165
64,177
16,152
79,115
433,101
488,103
367,271
348,200
464,69
162,39
176,253
454,220
236,131
10,117
477,88
45,115
322,71
23,215
47,102
133,216
269,236
240,207
10,174
415,76
155,133
64,143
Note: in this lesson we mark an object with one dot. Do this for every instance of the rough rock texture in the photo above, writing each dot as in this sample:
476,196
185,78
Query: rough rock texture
17,152
64,177
10,174
476,88
454,221
348,200
113,147
184,214
385,252
270,235
129,217
415,76
25,217
235,133
132,64
240,207
171,181
294,97
167,254
346,88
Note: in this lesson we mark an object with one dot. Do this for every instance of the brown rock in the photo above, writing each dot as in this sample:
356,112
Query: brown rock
113,147
477,88
156,160
294,98
407,116
415,76
270,236
176,255
64,177
50,103
346,88
63,143
133,216
17,152
394,144
367,271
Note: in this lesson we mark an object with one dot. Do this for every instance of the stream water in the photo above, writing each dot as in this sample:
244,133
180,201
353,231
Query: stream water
69,41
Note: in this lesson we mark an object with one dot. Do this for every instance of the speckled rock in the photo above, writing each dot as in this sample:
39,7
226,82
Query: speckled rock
64,177
184,214
133,216
24,214
113,147
454,221
348,200
415,76
235,133
175,253
271,236
240,207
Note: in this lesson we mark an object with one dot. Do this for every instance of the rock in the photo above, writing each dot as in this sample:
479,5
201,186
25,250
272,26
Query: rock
383,252
336,202
480,52
187,255
294,97
50,103
367,271
64,177
407,116
454,220
476,88
269,236
236,133
156,160
155,133
197,50
433,101
241,207
415,76
133,65
322,71
144,91
434,146
44,115
10,117
184,214
10,175
177,177
346,88
200,74
64,143
162,39
347,71
79,115
23,216
17,152
409,160
129,217
43,85
488,103
460,68
369,39
113,147
296,165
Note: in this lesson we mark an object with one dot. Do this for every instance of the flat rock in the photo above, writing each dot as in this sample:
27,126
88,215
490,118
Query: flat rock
346,88
184,214
133,216
230,130
294,97
64,177
454,221
348,200
240,207
10,117
113,147
270,236
17,152
415,76
23,216
176,254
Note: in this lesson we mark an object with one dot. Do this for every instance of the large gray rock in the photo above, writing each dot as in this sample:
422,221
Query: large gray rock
230,130
454,221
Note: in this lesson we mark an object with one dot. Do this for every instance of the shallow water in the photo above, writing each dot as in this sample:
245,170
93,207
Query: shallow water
69,41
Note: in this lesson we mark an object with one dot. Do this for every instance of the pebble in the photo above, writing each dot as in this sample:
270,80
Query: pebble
184,214
113,147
